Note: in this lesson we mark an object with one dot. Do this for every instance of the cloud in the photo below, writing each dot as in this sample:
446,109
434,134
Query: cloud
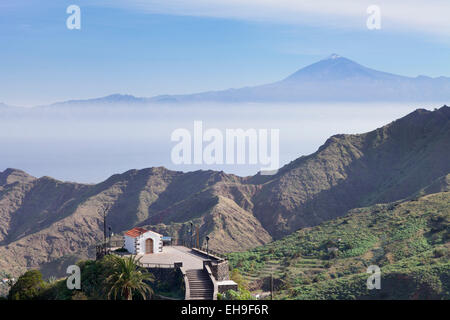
430,16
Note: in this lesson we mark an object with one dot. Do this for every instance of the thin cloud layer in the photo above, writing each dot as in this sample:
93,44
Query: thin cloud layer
397,15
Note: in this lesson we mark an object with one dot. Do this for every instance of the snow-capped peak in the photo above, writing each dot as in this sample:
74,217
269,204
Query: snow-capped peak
334,56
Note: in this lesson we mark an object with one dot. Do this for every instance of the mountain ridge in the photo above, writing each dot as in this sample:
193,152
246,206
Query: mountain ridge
335,78
43,219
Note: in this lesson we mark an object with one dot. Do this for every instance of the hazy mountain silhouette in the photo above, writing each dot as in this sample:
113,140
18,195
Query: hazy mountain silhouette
334,79
122,99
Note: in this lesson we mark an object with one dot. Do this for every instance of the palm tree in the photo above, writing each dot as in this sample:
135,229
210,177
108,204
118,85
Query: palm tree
127,278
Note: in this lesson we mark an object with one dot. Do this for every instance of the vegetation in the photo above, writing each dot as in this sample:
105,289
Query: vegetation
109,278
242,293
408,240
28,287
128,278
169,283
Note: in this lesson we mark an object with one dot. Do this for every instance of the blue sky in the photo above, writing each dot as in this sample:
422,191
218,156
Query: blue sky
147,48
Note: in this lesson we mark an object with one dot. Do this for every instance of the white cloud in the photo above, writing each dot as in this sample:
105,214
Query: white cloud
430,16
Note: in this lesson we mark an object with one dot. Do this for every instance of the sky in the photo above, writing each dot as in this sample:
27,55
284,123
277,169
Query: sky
153,47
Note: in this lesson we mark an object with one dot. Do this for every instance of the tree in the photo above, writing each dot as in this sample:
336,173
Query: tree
128,278
28,286
239,279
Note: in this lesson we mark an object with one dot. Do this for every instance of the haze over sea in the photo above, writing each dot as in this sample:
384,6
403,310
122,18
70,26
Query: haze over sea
89,144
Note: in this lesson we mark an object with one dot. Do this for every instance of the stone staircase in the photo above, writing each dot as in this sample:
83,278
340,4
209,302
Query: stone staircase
200,285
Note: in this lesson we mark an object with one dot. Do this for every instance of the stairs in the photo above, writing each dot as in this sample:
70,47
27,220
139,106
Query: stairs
200,285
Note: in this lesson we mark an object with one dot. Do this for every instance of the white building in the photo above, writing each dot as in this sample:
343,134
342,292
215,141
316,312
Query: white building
140,241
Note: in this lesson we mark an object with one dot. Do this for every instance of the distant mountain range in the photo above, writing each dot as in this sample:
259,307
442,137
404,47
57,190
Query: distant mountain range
43,219
334,79
111,99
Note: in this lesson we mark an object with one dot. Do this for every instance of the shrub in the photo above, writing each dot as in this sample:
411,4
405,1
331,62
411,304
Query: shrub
237,295
28,286
237,277
438,252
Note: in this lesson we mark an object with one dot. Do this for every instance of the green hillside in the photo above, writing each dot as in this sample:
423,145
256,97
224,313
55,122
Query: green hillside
408,240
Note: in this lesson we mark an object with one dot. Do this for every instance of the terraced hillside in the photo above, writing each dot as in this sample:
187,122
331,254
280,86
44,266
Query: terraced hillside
408,240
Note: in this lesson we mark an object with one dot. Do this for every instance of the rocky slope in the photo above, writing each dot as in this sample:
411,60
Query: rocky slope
44,219
350,171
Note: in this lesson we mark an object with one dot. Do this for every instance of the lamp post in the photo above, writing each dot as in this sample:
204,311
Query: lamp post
271,286
110,234
192,233
207,250
105,210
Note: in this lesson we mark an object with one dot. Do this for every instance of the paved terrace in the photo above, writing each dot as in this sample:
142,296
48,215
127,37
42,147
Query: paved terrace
172,254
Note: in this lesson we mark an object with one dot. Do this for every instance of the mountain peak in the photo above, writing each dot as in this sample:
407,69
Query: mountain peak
333,56
11,175
338,68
